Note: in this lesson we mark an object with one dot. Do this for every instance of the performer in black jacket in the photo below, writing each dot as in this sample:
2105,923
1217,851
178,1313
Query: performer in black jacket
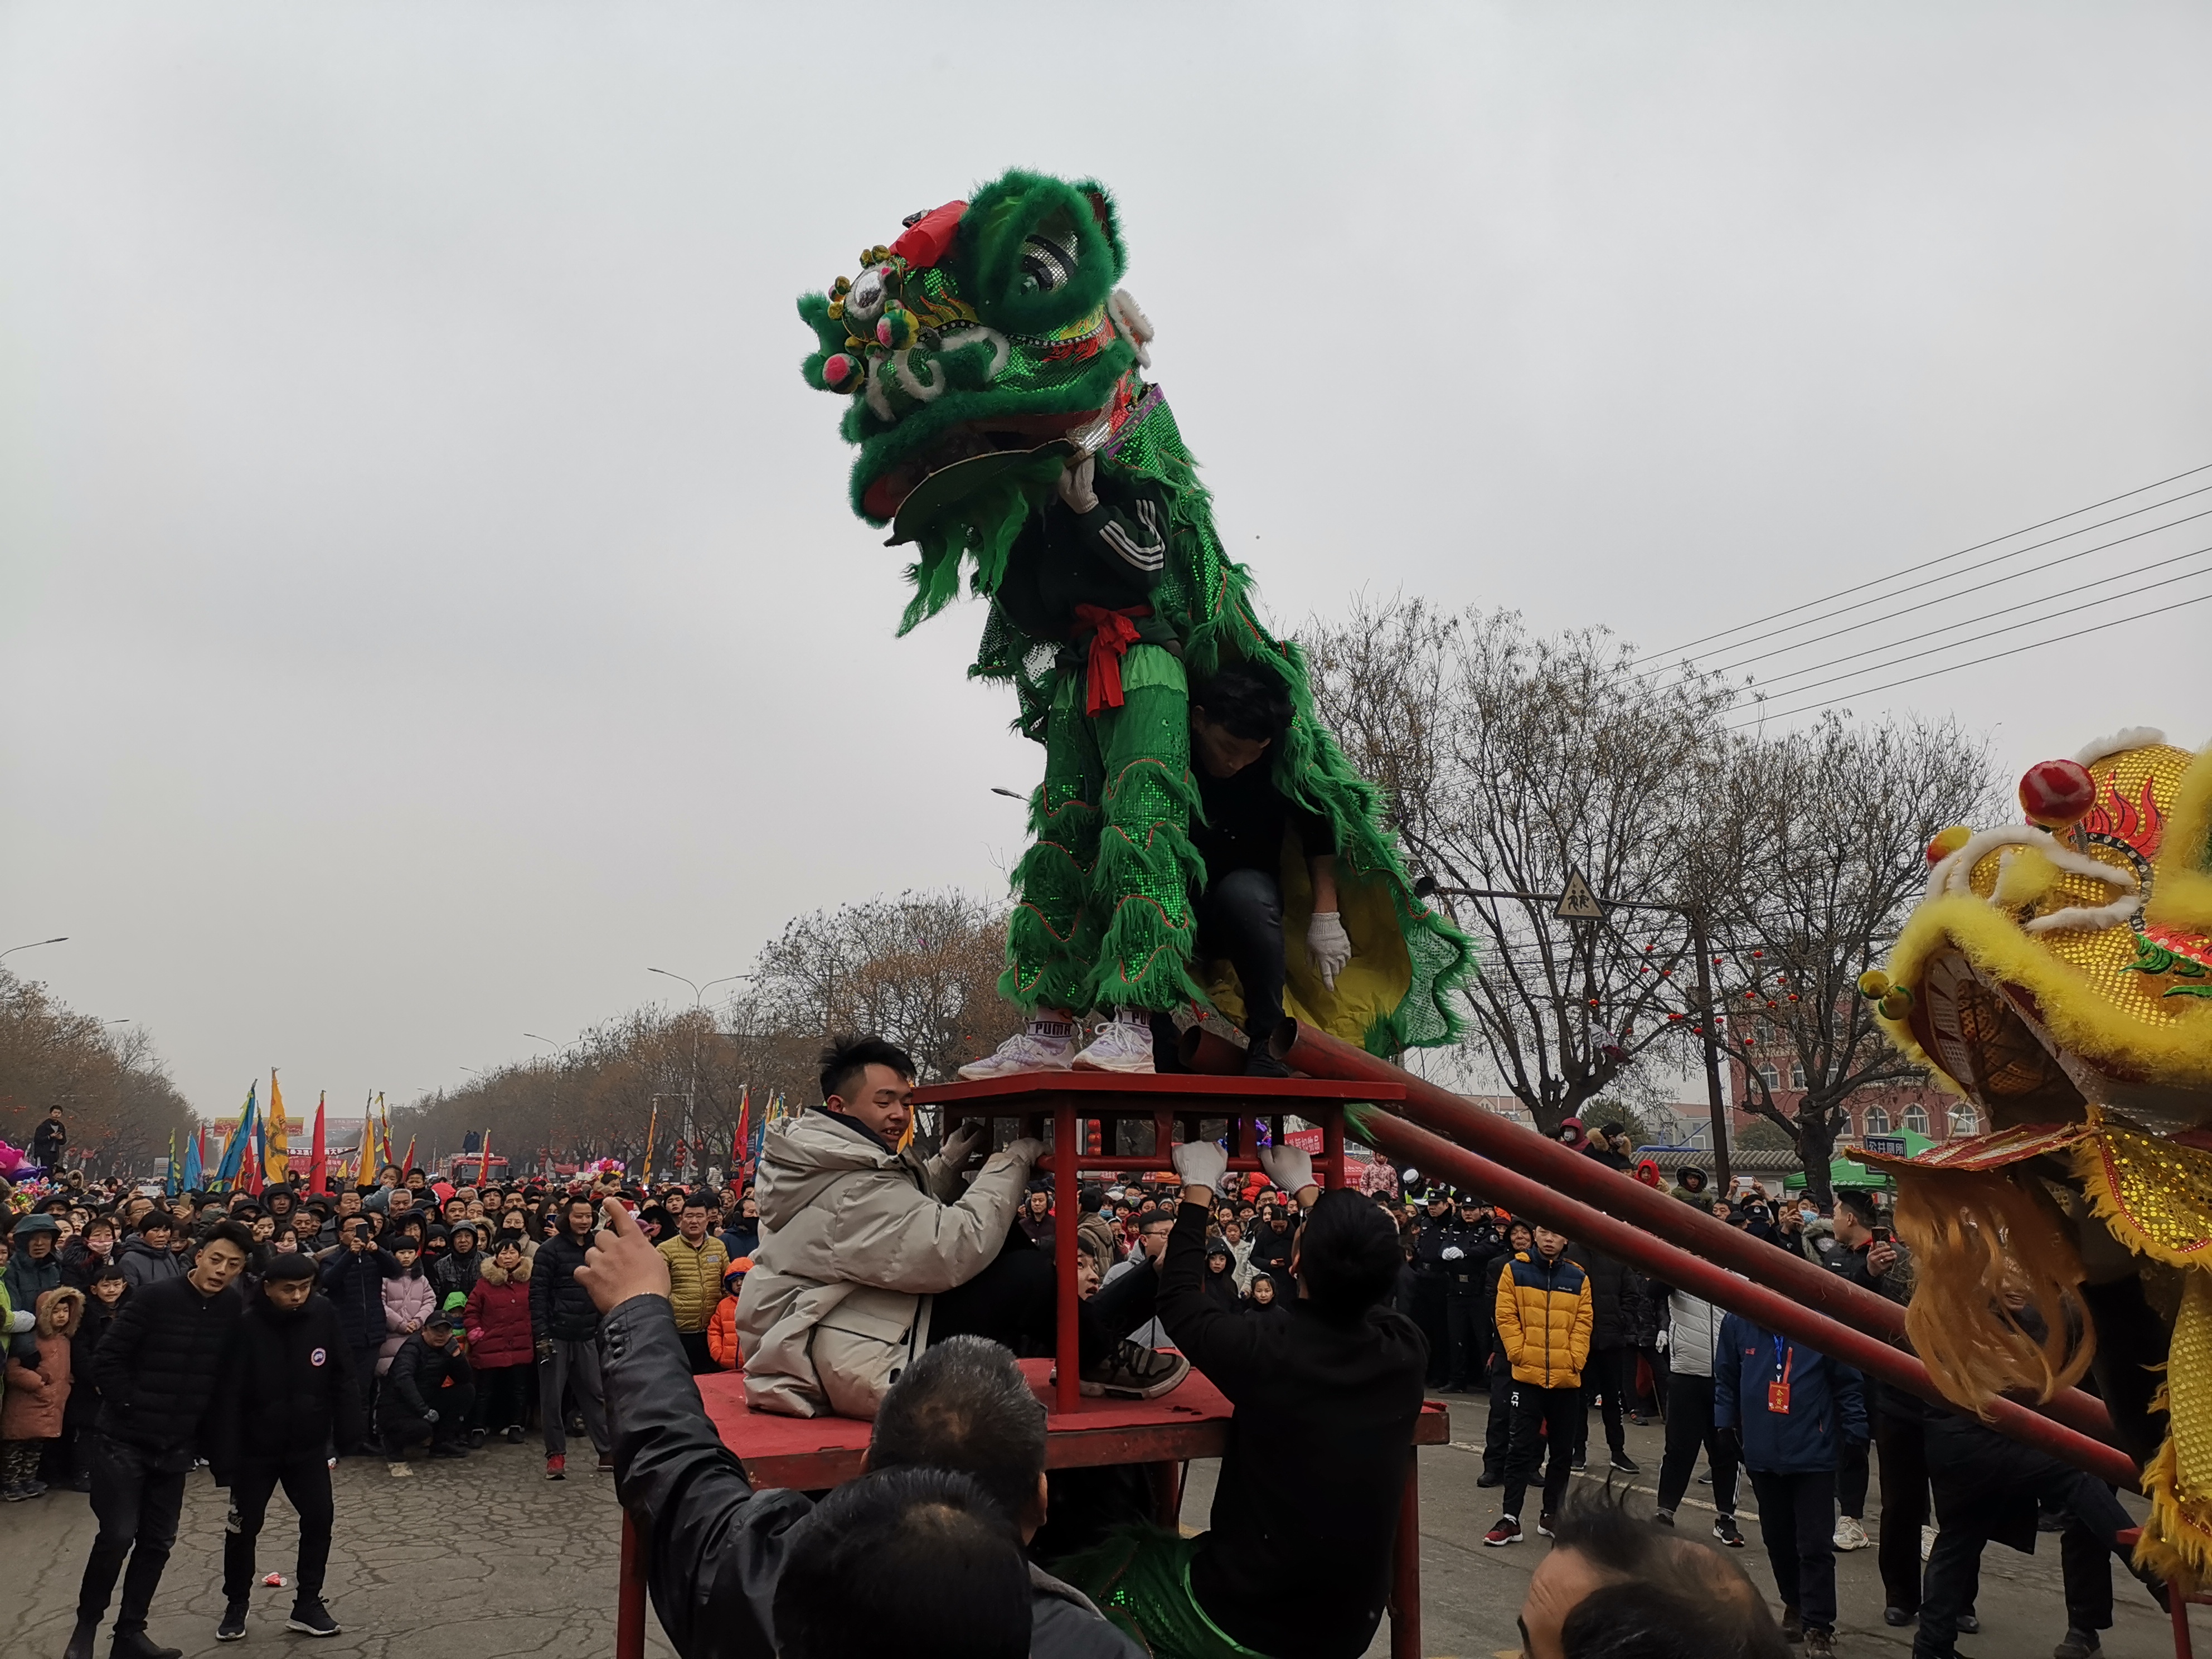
157,1370
564,1328
287,1400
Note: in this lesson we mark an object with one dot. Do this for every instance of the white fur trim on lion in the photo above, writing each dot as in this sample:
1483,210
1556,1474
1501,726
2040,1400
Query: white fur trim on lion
1955,875
880,398
968,337
1135,326
912,385
2133,736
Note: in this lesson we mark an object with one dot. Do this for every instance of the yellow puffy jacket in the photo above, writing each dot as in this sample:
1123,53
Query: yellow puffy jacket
1543,1320
695,1279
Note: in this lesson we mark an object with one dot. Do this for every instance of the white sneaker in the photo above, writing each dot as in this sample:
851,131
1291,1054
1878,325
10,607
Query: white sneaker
1927,1541
1044,1045
1123,1045
1850,1534
399,1472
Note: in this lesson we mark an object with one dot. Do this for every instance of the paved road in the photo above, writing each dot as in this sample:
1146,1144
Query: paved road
485,1558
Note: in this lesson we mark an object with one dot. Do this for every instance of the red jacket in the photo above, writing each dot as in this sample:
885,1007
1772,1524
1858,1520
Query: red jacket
497,1318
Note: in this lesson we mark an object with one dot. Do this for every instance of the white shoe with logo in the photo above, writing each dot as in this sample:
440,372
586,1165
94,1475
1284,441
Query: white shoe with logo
1851,1534
1044,1045
1123,1045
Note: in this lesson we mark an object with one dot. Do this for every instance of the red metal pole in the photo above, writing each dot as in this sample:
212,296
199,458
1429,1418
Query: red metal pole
1317,1054
629,1593
1406,1566
1771,1309
1065,1214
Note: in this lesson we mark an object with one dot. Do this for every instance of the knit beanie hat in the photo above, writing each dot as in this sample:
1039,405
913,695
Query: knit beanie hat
289,1264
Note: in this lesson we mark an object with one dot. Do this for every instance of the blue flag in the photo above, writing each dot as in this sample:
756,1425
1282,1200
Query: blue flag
234,1149
193,1174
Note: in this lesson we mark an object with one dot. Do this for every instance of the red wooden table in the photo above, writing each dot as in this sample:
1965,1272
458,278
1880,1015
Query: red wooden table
808,1453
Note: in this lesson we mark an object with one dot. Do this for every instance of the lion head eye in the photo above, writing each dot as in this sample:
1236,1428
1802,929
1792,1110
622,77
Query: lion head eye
1046,263
866,301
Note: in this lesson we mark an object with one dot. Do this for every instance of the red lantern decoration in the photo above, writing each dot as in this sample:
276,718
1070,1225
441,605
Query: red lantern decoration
2056,793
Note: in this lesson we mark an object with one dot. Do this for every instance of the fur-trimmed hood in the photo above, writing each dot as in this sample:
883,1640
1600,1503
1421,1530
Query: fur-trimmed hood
492,1274
52,1302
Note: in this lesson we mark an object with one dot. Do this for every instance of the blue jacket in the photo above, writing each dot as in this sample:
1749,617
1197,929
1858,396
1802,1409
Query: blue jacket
1827,1406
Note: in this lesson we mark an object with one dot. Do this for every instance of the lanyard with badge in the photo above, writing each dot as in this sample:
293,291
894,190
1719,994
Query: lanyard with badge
1778,1390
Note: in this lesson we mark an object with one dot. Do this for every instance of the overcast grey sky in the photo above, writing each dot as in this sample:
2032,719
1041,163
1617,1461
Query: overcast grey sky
427,597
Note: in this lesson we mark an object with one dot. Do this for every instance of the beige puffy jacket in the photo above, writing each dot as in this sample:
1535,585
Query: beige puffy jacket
853,1242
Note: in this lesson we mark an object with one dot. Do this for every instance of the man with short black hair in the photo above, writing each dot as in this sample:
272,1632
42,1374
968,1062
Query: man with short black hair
869,1253
1319,1445
697,1263
49,1139
146,1258
156,1370
564,1329
1608,1574
287,1395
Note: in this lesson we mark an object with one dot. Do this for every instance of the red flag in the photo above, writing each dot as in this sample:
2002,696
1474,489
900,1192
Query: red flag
255,1152
484,1165
743,1137
317,1162
407,1161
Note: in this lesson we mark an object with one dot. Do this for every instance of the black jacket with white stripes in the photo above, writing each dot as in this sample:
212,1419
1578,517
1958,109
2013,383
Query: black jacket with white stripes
1112,556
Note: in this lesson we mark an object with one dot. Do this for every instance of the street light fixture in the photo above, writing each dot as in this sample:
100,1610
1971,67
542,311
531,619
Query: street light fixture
698,1004
58,938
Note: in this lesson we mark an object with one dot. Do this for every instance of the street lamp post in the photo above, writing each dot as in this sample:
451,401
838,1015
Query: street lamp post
698,1005
58,938
553,1128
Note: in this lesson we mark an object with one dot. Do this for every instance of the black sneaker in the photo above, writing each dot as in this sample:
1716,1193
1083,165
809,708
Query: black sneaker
311,1618
477,1436
1622,1463
1579,1463
2078,1644
1507,1531
233,1628
451,1449
514,1435
1725,1529
1544,1525
1490,1478
1662,1517
1134,1371
1259,1062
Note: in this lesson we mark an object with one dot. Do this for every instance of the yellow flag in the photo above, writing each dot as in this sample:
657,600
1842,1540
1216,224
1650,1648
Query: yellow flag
276,1157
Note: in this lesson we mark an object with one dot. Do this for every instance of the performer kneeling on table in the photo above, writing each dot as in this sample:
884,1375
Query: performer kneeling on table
869,1253
1319,1444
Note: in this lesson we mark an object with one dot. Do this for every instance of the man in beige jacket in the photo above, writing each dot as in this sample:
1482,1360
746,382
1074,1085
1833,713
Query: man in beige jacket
868,1254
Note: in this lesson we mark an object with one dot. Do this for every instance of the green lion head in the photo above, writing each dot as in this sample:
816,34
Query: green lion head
989,325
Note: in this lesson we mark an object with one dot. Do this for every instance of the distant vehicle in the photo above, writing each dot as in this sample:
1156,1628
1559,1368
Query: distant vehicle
465,1170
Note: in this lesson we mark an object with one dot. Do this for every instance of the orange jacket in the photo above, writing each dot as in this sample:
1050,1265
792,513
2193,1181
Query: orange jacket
723,1335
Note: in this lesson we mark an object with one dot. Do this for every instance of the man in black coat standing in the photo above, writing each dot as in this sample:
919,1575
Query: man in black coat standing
354,1279
156,1369
287,1397
1615,1294
565,1329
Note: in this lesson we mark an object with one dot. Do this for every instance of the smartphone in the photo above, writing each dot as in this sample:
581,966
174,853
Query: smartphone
1881,1235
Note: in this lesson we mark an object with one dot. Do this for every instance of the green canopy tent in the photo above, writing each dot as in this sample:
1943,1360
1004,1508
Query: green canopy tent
1850,1172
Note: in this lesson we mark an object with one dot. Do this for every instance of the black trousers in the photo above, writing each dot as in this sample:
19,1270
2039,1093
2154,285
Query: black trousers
1240,918
1901,1454
1796,1514
1607,1380
364,1373
136,1502
1541,1418
1016,1300
696,1350
502,1395
403,1427
1466,1333
2094,1521
1498,1432
306,1483
1429,1314
1851,1477
1690,1428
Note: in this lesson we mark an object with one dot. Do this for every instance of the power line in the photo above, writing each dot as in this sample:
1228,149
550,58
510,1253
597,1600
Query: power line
2011,627
1878,580
1868,691
1981,564
1960,593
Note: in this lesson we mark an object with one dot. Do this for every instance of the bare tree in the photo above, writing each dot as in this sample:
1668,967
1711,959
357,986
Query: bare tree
1510,761
115,1091
1811,852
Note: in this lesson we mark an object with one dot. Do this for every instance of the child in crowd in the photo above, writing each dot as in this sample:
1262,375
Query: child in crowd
409,1298
38,1394
722,1329
108,1289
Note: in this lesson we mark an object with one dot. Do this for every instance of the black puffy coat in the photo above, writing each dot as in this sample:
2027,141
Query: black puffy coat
420,1372
560,1308
1615,1294
457,1272
354,1284
157,1367
82,1410
288,1387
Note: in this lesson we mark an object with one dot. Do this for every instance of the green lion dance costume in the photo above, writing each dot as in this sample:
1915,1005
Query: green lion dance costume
993,372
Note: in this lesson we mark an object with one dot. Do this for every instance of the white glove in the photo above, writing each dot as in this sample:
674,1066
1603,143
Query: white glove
1659,1342
1201,1163
429,1416
1027,1149
1075,484
1288,1167
19,1320
962,1144
1328,947
1453,1253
